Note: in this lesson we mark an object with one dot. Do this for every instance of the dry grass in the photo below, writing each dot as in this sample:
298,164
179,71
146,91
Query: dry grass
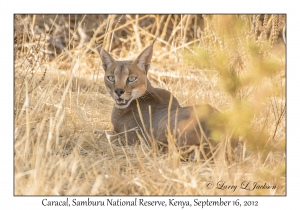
234,63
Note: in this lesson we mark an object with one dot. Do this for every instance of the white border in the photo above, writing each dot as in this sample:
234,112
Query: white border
8,8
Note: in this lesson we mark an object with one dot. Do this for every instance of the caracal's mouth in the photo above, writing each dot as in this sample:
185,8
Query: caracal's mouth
122,102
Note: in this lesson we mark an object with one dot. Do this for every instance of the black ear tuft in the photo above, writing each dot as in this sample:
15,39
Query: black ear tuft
144,59
106,58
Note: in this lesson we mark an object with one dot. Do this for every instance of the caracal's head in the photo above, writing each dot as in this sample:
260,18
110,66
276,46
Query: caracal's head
126,80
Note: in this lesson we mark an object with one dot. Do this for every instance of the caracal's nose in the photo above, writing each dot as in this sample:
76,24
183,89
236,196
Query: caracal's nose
119,91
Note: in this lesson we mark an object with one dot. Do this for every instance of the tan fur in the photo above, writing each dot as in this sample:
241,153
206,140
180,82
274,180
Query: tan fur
190,125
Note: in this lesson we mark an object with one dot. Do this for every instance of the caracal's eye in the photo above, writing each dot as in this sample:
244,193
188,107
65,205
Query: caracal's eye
111,78
132,78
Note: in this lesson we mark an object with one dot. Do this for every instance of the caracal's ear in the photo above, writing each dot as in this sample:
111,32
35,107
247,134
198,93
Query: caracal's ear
144,59
107,60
